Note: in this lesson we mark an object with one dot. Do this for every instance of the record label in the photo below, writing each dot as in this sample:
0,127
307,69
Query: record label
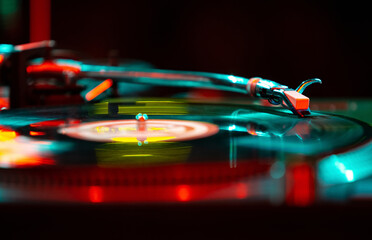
135,131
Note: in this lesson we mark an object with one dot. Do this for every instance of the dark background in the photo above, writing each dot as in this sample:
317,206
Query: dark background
285,41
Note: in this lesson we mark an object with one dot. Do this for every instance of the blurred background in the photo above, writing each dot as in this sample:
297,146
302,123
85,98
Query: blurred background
284,41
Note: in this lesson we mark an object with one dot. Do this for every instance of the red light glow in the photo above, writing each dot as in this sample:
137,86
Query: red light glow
201,181
92,94
183,193
20,160
4,102
54,123
34,133
95,194
32,45
51,67
300,185
241,191
1,58
39,20
251,130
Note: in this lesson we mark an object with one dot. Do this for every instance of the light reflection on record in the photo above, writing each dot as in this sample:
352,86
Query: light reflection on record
128,131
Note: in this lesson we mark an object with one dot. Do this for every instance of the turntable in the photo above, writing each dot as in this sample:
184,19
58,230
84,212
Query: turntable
70,134
168,150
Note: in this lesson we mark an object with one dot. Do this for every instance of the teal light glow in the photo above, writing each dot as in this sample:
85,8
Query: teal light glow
304,136
267,84
277,170
346,167
68,62
20,121
235,79
9,7
233,128
6,48
349,174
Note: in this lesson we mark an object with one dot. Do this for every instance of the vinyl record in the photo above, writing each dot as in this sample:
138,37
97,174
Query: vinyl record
161,150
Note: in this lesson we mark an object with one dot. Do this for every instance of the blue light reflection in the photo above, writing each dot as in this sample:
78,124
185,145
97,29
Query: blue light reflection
346,167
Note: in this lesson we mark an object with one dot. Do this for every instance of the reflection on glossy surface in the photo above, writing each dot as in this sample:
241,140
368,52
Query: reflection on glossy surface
168,183
309,136
53,67
183,193
133,131
346,167
300,184
16,151
95,194
214,152
92,94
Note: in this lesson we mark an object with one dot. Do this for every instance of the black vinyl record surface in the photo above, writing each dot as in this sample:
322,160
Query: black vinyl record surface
169,150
